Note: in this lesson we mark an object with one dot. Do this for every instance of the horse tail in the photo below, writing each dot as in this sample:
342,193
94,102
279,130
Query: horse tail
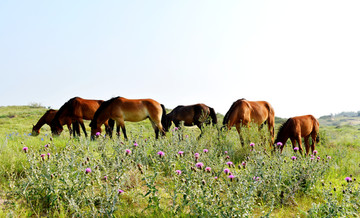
213,115
163,116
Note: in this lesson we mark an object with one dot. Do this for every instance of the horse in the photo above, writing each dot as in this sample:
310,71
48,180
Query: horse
46,119
122,109
242,112
191,115
297,127
77,109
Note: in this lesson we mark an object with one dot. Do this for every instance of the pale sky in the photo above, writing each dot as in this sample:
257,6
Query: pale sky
303,57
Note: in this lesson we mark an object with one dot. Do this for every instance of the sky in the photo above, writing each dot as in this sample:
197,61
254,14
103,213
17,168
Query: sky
303,57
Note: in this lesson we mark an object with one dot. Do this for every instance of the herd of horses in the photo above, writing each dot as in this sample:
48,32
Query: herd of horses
119,109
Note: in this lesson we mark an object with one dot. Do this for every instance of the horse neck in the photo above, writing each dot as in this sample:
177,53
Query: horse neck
41,122
103,116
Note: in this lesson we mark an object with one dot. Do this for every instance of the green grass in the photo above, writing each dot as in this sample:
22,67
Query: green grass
58,186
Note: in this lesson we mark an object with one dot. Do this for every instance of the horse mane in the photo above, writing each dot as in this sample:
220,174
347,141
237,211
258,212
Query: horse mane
282,129
67,106
232,108
102,107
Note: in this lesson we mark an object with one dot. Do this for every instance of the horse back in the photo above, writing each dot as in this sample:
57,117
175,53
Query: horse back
306,124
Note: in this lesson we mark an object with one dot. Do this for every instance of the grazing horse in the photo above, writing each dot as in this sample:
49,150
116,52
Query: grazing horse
134,110
297,127
46,119
77,109
243,112
191,115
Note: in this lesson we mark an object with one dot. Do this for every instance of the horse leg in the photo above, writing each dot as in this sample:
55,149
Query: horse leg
199,125
313,138
156,129
76,129
238,129
293,142
69,128
122,125
298,139
307,145
83,128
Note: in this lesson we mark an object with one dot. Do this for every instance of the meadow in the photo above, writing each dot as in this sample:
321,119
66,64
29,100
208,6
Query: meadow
208,176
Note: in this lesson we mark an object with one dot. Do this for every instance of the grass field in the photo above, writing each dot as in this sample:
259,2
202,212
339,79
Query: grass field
66,176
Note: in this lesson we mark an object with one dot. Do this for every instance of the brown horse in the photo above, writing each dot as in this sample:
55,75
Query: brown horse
191,115
77,109
243,112
46,119
297,127
122,109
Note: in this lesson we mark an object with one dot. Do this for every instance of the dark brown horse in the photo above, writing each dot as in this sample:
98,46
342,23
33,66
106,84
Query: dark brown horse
134,110
46,119
191,115
243,112
77,109
297,127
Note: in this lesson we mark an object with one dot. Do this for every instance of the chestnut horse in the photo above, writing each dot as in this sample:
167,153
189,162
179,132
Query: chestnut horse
46,119
134,110
191,115
243,112
77,109
297,127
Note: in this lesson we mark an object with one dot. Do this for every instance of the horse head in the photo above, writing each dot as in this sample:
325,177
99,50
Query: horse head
166,123
35,131
56,128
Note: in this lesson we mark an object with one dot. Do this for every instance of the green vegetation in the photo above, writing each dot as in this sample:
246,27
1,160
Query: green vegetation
131,178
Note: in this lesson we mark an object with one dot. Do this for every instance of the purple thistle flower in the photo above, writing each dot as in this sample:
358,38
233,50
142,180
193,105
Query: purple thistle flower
318,157
293,158
186,136
208,169
205,150
42,156
348,179
25,149
197,155
87,170
315,152
279,144
296,148
252,144
97,134
105,178
135,144
161,153
46,146
48,154
176,128
229,163
178,172
226,152
215,177
231,177
329,157
311,158
243,163
199,165
181,153
226,171
256,178
127,151
120,191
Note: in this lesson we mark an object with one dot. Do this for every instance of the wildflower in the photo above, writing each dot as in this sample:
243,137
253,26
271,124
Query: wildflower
348,179
329,157
135,144
161,153
120,191
97,134
226,171
279,144
197,155
296,149
231,177
215,177
293,158
199,165
227,157
229,163
252,144
205,150
226,152
311,158
256,178
186,136
87,170
127,151
48,154
105,178
47,145
318,158
208,169
25,149
42,156
178,172
315,152
181,153
176,128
